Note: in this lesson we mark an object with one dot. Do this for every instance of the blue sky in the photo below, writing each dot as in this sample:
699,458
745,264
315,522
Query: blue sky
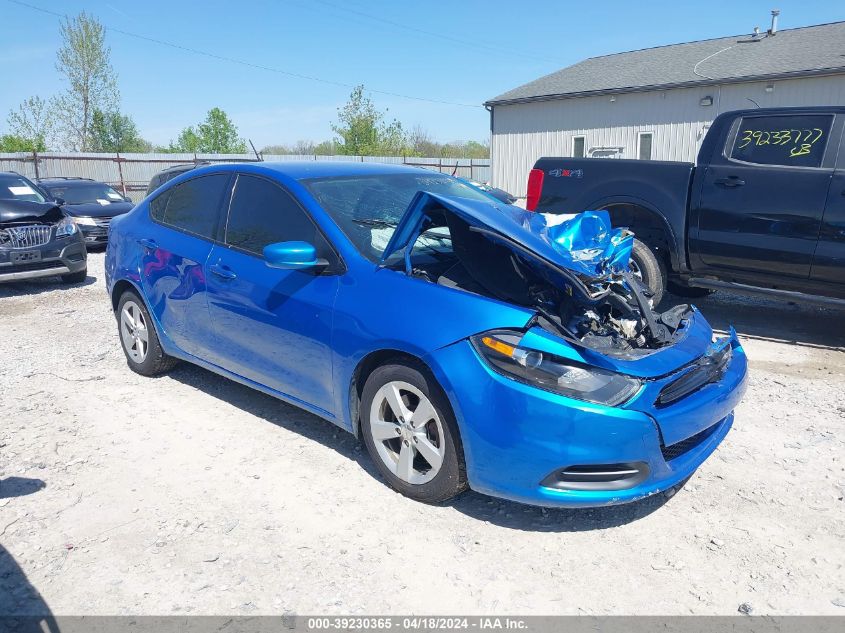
457,51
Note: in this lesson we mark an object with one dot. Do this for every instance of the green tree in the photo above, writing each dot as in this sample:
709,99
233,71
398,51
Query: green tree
84,61
327,148
32,124
215,135
115,132
14,143
276,150
474,149
363,130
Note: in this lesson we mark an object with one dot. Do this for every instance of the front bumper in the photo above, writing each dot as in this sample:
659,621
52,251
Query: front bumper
58,257
97,235
515,436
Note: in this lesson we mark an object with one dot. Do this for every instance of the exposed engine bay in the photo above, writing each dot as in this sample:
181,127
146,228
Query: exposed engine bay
595,303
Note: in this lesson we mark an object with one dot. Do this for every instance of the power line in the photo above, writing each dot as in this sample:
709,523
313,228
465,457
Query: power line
442,36
249,64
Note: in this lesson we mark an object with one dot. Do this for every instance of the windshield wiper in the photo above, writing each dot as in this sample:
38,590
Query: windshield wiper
384,224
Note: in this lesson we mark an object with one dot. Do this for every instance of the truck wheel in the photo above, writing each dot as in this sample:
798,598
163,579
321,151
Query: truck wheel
682,290
647,267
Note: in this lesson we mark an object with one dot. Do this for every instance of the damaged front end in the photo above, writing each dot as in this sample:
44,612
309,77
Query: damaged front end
571,270
24,223
37,240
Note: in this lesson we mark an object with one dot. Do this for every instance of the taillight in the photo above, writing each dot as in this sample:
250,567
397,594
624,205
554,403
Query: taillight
535,187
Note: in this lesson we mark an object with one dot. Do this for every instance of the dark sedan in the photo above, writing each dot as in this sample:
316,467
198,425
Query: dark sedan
91,205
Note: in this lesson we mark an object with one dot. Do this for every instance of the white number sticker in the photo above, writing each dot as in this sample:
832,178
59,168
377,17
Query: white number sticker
24,190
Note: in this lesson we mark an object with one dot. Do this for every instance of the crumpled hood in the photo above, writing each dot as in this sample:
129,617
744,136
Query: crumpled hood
586,240
23,210
585,244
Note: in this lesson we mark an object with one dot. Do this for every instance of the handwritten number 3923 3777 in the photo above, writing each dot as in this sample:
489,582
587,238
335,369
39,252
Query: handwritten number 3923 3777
802,141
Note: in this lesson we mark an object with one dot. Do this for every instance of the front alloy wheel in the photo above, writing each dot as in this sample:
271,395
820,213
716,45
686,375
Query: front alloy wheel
407,432
410,432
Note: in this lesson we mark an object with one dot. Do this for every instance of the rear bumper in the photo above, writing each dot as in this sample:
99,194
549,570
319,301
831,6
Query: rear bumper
517,439
58,257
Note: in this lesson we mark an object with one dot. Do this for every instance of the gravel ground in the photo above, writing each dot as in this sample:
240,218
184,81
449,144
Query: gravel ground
190,494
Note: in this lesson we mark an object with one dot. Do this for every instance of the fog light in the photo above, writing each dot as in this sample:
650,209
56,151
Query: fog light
596,477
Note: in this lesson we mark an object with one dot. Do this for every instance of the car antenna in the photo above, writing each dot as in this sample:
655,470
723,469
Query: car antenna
257,155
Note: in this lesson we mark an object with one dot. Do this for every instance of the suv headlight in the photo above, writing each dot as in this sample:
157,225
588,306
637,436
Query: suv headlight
66,226
568,378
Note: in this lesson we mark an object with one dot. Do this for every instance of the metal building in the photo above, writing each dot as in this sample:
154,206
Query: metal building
657,103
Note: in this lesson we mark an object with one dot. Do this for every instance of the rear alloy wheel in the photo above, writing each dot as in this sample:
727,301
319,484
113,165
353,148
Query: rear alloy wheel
410,433
134,332
138,337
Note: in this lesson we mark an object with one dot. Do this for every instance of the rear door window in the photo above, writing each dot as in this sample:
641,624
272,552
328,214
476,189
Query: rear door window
193,206
263,213
795,141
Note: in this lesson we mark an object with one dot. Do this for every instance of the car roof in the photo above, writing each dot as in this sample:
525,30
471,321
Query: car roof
68,181
303,170
184,167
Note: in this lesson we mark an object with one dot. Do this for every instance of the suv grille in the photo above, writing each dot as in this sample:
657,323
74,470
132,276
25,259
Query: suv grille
684,446
26,236
708,369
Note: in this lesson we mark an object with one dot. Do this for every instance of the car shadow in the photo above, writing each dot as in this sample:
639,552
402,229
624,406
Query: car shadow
478,506
19,486
40,285
518,516
22,608
276,412
770,319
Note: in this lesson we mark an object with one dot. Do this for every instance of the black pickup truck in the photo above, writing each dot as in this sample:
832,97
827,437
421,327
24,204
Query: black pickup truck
761,212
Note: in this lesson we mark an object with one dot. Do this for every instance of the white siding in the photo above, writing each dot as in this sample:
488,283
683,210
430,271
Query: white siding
524,132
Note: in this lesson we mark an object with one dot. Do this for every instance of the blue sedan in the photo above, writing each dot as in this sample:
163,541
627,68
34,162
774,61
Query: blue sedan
468,342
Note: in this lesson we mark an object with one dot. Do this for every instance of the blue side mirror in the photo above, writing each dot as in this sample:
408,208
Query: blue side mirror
292,256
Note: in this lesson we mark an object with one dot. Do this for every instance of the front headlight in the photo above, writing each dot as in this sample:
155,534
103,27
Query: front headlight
65,227
568,378
83,221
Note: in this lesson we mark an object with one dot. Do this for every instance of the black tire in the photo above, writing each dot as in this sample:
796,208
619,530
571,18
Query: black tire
75,278
155,361
682,290
451,479
652,269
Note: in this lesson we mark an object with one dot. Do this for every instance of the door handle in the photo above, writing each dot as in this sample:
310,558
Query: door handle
148,243
223,271
731,181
